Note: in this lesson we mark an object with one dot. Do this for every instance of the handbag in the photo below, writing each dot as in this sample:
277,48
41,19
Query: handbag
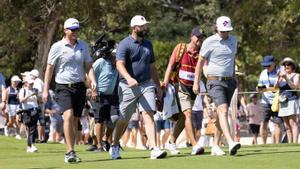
210,128
26,118
275,104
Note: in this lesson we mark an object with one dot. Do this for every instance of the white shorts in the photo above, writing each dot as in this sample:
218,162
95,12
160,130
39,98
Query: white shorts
12,109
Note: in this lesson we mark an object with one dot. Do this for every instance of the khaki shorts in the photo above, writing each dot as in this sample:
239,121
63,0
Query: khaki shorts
185,100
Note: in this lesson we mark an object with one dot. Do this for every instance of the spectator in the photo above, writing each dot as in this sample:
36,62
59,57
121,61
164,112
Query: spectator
289,104
28,98
254,116
56,125
39,85
267,81
12,104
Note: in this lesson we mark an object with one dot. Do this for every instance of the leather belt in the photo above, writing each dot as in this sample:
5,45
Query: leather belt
218,78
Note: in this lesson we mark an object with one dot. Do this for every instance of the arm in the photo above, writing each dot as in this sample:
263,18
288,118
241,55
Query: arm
91,75
198,72
155,78
4,97
170,66
124,73
293,84
47,80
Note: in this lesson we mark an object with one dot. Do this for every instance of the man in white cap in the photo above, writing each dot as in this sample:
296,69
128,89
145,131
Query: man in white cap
39,86
138,82
69,59
219,52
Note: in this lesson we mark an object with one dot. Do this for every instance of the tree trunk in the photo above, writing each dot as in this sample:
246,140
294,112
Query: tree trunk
44,43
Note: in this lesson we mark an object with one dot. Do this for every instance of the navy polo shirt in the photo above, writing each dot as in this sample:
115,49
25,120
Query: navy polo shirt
138,57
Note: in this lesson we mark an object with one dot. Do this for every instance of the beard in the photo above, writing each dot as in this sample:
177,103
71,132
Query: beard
141,34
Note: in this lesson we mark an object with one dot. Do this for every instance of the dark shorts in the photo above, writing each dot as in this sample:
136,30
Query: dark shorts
71,97
268,114
197,117
221,91
254,128
108,105
41,120
162,125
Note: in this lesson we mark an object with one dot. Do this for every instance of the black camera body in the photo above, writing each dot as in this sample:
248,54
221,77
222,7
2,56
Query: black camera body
103,48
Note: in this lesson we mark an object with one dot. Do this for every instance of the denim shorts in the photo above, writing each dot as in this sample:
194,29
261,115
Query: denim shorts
162,125
221,91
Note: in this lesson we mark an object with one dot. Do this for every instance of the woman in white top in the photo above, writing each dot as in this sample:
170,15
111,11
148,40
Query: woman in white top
28,99
12,104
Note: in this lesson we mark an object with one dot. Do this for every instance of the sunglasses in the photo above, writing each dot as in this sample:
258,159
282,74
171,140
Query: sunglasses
224,31
74,30
288,64
267,66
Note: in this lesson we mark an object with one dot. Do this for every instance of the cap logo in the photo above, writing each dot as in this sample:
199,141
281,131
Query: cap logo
142,18
225,23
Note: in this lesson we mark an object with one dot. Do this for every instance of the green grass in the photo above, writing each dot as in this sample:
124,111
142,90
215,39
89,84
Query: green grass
51,156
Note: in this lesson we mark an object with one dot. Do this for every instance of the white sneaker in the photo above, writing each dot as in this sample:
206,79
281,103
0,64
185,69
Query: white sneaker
172,148
197,149
114,152
156,153
217,151
33,148
233,147
6,131
30,150
18,137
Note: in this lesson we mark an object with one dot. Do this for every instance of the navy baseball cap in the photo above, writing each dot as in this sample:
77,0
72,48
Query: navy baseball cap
267,60
197,31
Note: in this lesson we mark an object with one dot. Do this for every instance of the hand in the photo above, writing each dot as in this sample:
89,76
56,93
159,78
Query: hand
45,96
94,94
93,85
196,88
2,106
132,82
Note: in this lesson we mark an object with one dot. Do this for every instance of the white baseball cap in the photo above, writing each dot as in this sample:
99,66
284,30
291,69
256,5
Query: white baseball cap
28,79
224,24
138,20
15,78
34,73
71,23
26,73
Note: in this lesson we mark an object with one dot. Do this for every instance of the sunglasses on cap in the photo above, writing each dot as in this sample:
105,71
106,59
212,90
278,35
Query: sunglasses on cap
75,30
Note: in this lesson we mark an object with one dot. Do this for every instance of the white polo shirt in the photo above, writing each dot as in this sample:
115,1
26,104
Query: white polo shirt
69,62
220,54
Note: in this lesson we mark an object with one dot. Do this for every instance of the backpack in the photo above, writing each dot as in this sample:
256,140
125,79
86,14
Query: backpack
176,66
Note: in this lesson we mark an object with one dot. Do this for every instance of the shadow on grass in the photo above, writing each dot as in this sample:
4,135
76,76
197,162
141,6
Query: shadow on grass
262,152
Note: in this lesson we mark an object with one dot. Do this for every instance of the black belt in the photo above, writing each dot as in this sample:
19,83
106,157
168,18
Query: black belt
218,78
73,85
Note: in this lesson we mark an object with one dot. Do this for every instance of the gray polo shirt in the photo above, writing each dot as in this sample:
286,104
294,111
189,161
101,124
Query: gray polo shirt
69,62
138,57
220,55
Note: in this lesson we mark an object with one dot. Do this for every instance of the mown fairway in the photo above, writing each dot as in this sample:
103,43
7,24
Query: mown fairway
51,156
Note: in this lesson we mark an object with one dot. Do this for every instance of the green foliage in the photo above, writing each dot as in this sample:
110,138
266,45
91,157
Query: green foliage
262,27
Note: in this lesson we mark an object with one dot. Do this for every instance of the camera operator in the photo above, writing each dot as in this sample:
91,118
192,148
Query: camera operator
107,101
